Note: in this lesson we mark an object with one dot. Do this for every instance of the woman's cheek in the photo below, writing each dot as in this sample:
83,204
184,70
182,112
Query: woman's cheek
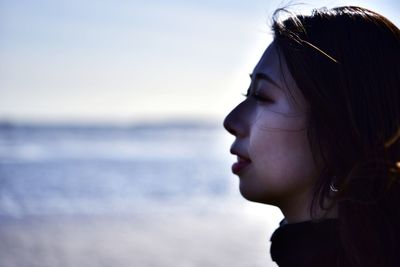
274,119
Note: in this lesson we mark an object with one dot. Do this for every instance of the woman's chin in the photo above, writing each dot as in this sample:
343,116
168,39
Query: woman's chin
254,195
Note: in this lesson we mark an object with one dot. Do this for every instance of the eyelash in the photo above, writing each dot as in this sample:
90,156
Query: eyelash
257,97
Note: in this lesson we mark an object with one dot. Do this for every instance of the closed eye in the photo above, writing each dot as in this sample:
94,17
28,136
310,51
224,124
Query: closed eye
252,93
261,98
257,97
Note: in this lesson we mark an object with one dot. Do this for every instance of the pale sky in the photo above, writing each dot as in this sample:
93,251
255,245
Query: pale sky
120,60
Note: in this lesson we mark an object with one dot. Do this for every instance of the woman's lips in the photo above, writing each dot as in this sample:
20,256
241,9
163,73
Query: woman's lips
240,165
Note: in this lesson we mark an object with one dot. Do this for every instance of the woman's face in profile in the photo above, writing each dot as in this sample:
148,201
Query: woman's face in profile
275,164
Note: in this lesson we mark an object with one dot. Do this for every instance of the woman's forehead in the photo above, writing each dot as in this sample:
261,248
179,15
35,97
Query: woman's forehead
273,65
269,62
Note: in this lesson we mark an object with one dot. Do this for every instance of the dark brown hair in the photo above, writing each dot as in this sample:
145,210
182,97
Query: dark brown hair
346,62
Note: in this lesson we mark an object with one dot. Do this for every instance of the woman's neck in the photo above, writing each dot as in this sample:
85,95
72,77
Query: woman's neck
298,210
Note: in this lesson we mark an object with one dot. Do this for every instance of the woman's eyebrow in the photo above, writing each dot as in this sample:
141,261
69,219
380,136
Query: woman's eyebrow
264,76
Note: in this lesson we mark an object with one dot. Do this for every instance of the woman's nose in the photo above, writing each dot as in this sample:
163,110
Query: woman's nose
234,122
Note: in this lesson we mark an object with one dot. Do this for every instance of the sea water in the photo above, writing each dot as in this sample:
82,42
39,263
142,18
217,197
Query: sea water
71,169
143,195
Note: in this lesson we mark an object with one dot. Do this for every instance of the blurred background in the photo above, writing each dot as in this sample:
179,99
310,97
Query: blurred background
112,151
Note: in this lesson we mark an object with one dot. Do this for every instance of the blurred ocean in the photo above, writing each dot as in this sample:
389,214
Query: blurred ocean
97,170
133,180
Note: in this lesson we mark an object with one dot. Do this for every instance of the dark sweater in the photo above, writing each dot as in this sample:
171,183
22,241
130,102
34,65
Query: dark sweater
308,244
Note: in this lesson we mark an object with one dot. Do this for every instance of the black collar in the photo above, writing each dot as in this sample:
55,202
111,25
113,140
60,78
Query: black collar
306,244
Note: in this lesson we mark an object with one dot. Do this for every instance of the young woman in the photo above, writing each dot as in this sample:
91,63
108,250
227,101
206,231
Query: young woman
318,136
